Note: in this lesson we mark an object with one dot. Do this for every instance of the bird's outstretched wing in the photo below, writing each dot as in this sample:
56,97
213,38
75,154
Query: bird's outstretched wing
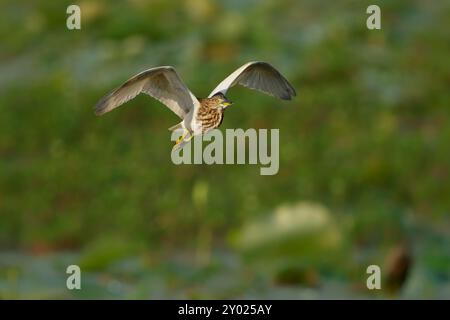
161,83
260,76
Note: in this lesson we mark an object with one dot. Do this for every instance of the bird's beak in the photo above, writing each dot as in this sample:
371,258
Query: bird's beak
227,103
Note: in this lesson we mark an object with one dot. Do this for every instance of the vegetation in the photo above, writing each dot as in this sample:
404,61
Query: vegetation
364,150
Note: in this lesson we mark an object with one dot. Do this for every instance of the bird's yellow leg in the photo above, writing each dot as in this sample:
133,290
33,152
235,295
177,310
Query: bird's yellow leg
181,138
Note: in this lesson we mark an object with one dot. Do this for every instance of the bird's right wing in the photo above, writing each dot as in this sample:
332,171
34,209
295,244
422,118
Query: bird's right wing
259,76
161,83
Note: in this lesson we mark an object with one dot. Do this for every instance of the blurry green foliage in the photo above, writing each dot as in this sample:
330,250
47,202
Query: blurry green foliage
367,136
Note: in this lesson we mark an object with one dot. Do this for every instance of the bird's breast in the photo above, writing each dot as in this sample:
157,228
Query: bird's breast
210,118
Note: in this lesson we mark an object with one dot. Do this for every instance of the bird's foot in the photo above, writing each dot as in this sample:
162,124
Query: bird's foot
182,140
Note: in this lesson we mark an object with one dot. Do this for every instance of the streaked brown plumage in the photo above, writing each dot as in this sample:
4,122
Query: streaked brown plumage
198,115
210,114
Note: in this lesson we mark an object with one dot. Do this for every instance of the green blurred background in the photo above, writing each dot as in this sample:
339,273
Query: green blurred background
364,152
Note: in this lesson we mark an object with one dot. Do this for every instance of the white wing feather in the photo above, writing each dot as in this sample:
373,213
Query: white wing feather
161,83
260,76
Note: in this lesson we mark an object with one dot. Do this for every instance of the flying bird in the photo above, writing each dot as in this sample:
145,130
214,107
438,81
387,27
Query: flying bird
198,115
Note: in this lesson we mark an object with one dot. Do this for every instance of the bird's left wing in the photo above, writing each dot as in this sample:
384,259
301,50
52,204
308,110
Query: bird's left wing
161,83
260,76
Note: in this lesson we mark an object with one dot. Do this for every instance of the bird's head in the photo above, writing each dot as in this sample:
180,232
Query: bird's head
222,101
